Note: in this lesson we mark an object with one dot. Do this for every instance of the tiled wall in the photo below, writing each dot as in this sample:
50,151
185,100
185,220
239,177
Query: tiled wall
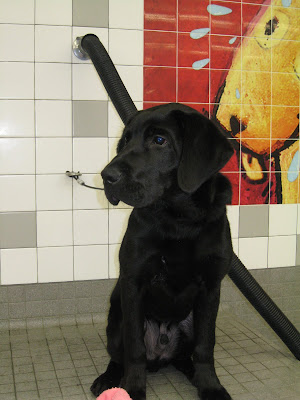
55,116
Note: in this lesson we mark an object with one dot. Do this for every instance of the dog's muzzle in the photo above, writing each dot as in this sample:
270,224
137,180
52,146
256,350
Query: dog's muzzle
111,176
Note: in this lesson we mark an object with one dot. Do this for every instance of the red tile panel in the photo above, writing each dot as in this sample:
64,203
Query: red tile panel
160,15
160,48
193,86
192,14
159,84
243,84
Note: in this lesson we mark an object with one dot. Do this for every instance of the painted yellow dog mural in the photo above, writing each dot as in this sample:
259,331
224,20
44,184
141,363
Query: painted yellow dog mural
259,105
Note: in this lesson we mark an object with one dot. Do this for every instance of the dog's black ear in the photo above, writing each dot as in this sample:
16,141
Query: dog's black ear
205,150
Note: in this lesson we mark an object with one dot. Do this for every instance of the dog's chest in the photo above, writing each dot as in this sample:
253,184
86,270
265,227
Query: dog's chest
172,284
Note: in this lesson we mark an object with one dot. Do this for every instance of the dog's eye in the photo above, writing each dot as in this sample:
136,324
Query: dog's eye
159,140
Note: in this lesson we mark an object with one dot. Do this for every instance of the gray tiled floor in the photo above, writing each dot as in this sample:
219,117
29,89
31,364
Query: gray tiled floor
61,363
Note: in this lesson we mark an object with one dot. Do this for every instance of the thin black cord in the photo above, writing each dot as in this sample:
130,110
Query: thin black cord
76,175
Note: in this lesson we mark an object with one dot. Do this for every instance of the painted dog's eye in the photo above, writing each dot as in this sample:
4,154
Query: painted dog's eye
159,140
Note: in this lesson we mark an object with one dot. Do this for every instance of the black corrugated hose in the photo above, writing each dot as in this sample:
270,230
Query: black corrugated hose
109,76
238,273
259,299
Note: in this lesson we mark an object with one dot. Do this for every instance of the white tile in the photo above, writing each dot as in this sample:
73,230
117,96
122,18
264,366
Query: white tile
132,77
17,156
90,155
89,199
235,246
54,228
112,143
90,227
15,49
17,11
55,264
53,192
79,31
11,188
53,155
53,43
17,80
53,81
114,264
115,124
54,12
90,262
282,251
118,221
86,83
126,46
127,14
298,219
253,252
53,118
282,219
18,266
17,118
233,215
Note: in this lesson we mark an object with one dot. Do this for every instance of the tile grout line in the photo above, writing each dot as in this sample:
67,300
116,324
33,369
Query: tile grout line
72,133
35,143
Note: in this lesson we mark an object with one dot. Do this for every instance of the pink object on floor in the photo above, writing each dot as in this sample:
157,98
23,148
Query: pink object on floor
114,394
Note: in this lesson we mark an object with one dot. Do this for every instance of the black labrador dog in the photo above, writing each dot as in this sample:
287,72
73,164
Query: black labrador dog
175,252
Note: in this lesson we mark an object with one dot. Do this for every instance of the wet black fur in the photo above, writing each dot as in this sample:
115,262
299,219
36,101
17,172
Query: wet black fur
176,250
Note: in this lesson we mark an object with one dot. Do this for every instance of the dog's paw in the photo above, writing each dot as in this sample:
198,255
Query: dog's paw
102,383
214,394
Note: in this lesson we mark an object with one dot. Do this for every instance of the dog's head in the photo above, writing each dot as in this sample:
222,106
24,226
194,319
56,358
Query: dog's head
167,145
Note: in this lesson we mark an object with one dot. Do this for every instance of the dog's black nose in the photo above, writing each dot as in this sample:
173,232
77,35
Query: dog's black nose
111,175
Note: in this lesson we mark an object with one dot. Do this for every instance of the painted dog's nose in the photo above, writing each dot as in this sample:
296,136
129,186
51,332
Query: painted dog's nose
111,175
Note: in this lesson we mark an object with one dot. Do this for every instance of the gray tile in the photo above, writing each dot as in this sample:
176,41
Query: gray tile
90,13
7,396
18,230
50,291
90,118
66,290
254,221
16,310
35,309
34,292
3,295
4,311
16,293
28,395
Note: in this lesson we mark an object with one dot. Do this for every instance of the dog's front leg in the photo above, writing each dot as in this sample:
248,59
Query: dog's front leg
205,315
134,380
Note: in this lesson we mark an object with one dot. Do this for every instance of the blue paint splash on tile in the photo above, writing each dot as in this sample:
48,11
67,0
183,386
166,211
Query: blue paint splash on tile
293,170
237,94
286,3
213,9
200,64
199,33
232,40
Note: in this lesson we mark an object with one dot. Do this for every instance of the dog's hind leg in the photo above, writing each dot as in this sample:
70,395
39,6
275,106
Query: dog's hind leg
109,379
